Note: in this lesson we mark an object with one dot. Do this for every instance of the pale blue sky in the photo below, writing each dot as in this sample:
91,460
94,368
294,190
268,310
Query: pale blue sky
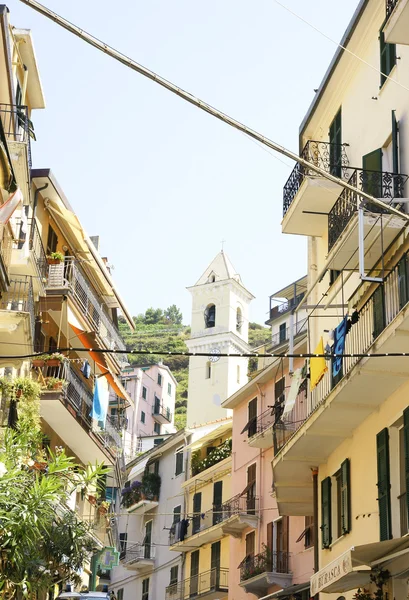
161,182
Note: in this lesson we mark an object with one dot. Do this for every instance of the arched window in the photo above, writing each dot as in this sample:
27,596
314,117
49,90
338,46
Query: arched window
210,316
239,319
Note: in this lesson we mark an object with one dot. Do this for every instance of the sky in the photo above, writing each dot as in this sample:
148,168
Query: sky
161,182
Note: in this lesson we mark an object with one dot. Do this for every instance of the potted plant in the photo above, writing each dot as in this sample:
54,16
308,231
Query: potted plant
54,383
55,258
103,507
92,499
39,361
20,387
55,359
151,485
131,494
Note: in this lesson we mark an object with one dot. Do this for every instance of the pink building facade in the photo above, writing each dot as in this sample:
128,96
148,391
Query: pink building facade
274,558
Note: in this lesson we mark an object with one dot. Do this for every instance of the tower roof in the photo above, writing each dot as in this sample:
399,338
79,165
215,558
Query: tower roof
221,268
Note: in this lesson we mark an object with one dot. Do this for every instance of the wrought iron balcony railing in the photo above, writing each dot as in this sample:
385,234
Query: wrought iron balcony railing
17,125
29,234
379,184
239,505
281,309
390,7
20,297
265,562
282,337
329,157
198,586
69,275
160,409
139,552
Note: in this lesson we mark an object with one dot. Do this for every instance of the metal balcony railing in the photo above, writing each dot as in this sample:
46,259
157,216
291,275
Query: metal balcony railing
379,184
161,410
265,562
69,275
282,337
390,7
139,552
6,244
281,309
381,308
329,157
28,233
239,505
198,586
17,125
20,297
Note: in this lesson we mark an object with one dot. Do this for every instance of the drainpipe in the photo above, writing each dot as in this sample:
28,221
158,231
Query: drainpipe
315,513
35,202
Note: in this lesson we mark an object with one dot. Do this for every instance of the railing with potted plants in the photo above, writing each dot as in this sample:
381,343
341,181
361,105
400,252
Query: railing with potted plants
20,399
215,456
147,489
265,562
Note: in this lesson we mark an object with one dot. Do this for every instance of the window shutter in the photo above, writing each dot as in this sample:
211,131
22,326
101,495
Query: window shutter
217,502
345,497
403,281
384,485
406,445
252,417
335,139
326,532
197,507
395,143
378,312
270,534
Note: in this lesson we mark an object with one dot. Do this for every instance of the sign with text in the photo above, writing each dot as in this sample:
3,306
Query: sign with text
336,569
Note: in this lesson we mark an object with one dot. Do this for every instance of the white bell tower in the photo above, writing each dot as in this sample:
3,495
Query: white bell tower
220,306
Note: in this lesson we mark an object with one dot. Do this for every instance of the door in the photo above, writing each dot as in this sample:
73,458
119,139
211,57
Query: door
194,573
157,406
279,396
335,149
252,417
148,540
372,174
280,564
197,507
215,566
251,489
378,312
217,502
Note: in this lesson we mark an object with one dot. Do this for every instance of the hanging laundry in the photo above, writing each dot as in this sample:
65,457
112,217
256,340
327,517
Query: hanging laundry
86,369
293,393
354,317
100,402
339,345
318,367
13,415
184,524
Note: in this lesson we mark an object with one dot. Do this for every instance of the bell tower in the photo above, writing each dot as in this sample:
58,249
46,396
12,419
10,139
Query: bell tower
219,325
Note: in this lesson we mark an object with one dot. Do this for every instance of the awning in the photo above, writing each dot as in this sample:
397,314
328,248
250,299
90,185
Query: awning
10,205
137,469
201,440
88,340
352,568
291,590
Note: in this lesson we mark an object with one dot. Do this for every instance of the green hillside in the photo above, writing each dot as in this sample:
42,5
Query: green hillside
163,331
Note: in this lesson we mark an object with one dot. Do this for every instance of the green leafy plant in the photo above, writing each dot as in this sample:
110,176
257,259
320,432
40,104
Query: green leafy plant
57,356
218,454
151,483
56,256
55,383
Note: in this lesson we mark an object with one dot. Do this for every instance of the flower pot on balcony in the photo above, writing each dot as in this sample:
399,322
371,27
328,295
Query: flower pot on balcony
38,363
53,261
102,510
53,362
92,499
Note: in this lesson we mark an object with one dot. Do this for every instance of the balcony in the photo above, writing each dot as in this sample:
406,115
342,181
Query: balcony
216,456
18,128
283,337
139,557
142,496
17,317
67,409
67,277
307,197
28,256
161,413
207,586
396,28
363,385
378,233
230,518
258,573
6,237
272,428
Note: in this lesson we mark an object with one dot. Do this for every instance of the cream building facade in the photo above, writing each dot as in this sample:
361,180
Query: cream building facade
348,460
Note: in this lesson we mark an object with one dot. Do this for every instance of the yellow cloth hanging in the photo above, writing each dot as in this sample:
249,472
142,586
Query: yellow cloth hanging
318,366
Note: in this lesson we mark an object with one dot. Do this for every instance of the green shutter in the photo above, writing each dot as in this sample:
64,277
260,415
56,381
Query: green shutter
346,496
335,139
387,56
403,282
384,485
326,512
217,501
197,507
406,445
395,143
378,312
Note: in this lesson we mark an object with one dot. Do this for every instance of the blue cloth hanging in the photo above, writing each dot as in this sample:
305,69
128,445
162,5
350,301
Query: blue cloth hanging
100,403
86,369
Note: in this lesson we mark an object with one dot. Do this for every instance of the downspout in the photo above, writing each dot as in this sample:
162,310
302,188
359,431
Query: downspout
315,513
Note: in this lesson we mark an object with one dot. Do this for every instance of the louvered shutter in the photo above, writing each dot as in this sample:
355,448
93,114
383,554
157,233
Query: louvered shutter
326,532
197,507
217,502
384,485
406,446
345,497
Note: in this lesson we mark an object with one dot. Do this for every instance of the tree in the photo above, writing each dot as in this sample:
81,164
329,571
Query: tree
153,316
173,314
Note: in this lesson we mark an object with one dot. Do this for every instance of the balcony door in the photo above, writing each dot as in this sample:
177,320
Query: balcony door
197,507
215,566
194,574
217,502
280,564
157,406
148,540
372,173
335,140
251,489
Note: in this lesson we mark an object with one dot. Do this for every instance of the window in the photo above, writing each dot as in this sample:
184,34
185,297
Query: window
388,57
120,594
158,441
251,489
156,428
169,389
384,485
239,319
333,275
145,589
208,369
144,392
217,501
283,332
123,537
177,511
335,148
143,417
309,532
52,241
336,505
159,379
250,544
174,575
197,509
252,417
279,397
179,461
210,316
